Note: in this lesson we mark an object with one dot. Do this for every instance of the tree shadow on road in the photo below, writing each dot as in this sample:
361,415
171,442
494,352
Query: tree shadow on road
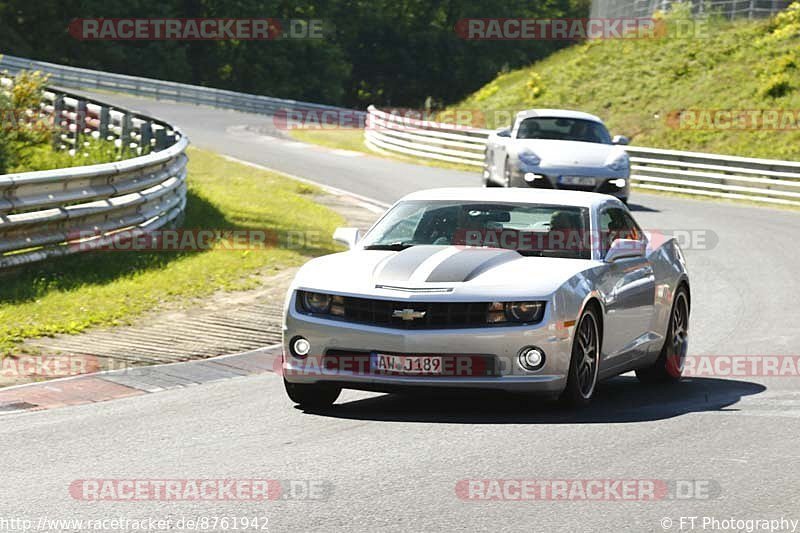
619,400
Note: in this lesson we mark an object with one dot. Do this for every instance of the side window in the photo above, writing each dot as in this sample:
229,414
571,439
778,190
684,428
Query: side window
617,224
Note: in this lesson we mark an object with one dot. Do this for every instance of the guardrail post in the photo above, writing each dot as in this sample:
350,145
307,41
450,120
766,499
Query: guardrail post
80,121
146,137
161,139
125,133
105,120
58,110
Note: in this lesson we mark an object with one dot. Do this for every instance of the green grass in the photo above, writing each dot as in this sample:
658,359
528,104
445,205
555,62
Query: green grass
353,140
109,288
636,85
43,156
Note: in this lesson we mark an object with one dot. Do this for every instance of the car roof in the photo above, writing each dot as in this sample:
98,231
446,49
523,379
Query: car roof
558,113
513,195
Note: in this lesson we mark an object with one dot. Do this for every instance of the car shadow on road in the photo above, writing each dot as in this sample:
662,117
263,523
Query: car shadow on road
619,400
642,208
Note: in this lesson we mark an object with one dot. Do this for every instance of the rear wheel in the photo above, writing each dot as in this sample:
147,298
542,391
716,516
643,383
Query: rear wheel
584,363
669,365
315,396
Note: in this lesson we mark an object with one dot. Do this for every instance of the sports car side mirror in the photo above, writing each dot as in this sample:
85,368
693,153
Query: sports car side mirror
625,248
347,236
620,139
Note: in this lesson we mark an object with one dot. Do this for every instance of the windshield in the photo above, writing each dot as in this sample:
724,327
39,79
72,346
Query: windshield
563,129
530,229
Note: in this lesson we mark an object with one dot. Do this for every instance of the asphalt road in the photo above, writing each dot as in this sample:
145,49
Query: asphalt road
394,463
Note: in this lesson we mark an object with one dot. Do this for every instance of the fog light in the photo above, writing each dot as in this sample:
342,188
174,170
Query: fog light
530,176
300,346
531,358
619,182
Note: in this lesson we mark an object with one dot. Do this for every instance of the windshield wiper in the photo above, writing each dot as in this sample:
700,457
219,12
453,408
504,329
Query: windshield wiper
393,246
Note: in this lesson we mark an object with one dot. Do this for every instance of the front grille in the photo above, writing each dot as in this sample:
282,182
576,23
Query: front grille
437,315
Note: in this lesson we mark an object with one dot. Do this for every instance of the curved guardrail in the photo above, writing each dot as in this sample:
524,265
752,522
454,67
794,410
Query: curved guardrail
81,78
52,213
694,173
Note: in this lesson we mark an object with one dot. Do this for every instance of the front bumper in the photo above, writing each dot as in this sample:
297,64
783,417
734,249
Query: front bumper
333,340
552,178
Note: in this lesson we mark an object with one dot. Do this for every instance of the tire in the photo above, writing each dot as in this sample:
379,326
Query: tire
669,365
487,181
506,175
312,396
584,364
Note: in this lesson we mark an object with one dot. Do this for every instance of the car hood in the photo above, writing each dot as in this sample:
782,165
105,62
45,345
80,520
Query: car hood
427,271
570,153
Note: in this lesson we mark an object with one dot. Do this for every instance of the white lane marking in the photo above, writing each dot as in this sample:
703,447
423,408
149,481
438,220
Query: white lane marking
295,144
346,153
333,190
424,270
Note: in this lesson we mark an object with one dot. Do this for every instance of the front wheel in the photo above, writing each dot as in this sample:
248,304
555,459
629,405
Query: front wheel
506,174
584,363
312,396
668,368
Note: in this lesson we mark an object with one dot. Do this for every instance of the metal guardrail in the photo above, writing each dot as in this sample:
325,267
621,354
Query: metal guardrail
58,212
80,78
694,173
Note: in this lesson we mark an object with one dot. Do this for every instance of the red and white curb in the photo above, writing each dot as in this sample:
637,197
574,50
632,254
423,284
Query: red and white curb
113,384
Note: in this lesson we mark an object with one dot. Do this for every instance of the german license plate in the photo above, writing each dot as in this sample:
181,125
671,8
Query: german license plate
577,180
408,364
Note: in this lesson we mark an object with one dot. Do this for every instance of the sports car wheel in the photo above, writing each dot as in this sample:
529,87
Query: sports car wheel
669,365
506,174
585,362
312,396
487,181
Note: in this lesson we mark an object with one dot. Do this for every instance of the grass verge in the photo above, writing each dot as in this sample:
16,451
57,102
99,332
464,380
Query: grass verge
665,92
353,140
71,294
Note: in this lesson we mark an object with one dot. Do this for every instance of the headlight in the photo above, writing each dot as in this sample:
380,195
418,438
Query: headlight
523,312
323,304
620,163
529,158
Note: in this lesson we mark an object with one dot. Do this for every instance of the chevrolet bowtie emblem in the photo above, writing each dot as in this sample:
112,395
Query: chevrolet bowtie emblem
407,314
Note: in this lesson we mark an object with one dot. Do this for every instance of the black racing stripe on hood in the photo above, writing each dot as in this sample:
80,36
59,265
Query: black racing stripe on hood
468,263
400,266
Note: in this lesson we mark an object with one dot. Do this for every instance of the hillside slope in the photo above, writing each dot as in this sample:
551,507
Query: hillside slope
639,86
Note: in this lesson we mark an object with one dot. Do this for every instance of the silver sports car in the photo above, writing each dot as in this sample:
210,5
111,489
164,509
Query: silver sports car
519,290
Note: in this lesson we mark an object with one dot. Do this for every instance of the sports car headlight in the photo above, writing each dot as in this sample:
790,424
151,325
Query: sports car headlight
529,158
523,312
620,163
323,304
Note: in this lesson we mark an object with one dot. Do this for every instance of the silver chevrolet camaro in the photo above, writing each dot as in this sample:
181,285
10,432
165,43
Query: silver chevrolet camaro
471,288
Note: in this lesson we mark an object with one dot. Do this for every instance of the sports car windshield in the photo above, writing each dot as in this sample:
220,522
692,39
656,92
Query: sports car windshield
563,129
530,229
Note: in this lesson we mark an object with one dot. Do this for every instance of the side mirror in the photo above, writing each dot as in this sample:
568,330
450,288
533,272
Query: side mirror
503,132
347,236
620,139
625,248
